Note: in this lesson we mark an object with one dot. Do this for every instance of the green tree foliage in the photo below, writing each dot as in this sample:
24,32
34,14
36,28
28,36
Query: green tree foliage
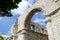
7,5
1,38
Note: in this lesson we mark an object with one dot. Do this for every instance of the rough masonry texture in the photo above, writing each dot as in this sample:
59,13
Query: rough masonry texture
39,32
51,9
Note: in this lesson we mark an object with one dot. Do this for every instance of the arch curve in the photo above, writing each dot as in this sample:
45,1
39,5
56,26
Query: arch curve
30,14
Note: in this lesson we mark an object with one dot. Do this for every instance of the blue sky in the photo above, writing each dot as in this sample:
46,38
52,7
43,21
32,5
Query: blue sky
6,22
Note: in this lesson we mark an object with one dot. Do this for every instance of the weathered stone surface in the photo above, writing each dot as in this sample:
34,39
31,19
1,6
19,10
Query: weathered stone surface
51,9
31,35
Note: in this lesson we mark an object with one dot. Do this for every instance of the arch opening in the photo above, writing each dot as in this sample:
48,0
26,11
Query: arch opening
30,15
38,18
29,23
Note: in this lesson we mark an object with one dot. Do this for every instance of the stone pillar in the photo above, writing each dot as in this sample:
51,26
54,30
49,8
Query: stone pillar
21,28
49,29
56,24
53,25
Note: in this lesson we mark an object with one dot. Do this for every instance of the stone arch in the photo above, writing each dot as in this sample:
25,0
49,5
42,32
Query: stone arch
30,14
49,7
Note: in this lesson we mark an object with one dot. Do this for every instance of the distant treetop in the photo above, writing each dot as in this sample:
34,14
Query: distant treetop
7,5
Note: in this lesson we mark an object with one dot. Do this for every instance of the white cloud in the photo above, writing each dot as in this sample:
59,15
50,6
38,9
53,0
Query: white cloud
1,18
23,6
39,21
